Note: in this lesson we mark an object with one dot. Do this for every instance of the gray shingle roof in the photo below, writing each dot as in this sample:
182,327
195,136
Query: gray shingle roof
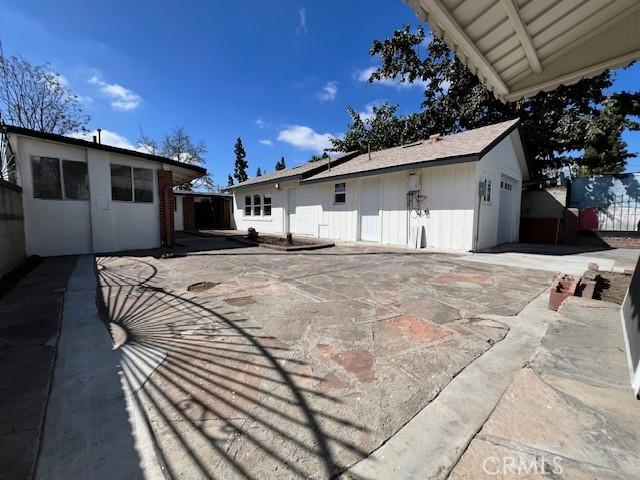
465,146
292,172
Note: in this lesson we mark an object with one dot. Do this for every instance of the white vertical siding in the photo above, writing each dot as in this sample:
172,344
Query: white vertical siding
394,209
502,159
266,224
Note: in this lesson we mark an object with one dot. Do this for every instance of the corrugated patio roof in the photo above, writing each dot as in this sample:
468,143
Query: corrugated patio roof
462,147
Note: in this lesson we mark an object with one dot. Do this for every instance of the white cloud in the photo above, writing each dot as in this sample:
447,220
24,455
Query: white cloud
266,142
305,138
368,114
364,75
121,98
109,138
302,25
260,123
329,91
61,79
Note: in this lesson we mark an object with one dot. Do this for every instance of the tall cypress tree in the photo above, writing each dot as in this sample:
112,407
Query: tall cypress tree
240,169
280,165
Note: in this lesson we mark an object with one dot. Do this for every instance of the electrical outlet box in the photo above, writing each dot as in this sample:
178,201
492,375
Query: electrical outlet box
413,182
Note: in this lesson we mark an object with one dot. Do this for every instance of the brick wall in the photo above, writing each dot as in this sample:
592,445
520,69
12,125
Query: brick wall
165,191
188,212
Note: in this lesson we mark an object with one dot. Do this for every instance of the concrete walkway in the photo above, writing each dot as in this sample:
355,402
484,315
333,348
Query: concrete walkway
571,413
30,317
92,430
566,259
429,446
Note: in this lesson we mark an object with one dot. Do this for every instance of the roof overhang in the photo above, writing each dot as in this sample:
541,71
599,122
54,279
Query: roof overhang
182,172
397,168
519,48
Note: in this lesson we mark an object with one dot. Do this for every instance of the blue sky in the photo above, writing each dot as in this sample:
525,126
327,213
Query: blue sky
279,74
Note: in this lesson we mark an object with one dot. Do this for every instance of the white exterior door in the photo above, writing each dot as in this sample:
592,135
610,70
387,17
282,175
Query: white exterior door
505,218
291,210
369,210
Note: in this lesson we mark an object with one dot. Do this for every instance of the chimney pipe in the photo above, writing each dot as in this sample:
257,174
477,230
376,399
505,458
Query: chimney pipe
100,135
369,150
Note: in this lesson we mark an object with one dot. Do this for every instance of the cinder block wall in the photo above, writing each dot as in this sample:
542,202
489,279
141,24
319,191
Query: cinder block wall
12,251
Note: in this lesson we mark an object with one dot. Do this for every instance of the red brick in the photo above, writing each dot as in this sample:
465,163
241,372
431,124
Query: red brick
564,286
165,190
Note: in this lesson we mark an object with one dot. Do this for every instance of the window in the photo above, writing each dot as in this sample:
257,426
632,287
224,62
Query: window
76,180
131,184
257,205
71,182
267,204
46,177
486,194
121,183
143,185
340,193
247,205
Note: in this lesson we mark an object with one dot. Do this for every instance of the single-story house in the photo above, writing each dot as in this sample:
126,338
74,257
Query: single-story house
202,210
458,192
85,197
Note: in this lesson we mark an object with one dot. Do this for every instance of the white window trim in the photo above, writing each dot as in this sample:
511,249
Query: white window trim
488,178
252,206
337,193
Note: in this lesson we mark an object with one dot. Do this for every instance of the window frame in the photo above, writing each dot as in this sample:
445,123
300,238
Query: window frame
133,184
337,190
255,201
61,180
487,198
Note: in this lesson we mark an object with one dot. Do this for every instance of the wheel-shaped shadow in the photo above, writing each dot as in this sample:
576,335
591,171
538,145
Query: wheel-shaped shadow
222,400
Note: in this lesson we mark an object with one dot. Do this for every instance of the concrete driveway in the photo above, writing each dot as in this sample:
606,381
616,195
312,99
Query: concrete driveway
297,364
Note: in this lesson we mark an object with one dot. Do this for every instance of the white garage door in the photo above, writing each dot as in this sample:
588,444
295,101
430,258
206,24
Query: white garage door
369,210
506,214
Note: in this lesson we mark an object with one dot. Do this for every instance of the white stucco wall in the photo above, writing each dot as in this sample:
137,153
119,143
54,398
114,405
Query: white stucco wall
52,227
178,214
501,160
69,227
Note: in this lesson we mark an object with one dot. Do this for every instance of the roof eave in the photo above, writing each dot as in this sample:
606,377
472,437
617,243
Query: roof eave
397,168
52,137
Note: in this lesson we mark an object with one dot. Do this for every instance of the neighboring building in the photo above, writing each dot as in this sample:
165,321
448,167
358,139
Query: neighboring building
85,197
458,192
202,210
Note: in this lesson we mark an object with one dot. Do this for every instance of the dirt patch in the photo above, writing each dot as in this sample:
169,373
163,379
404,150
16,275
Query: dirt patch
202,286
614,287
240,301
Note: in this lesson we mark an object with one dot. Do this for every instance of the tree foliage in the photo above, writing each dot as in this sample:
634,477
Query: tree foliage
178,145
35,97
315,158
576,118
229,181
241,164
258,172
280,165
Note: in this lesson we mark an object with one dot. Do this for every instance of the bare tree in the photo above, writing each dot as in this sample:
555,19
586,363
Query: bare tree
178,145
35,97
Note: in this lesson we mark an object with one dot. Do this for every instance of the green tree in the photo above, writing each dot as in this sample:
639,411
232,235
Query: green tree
258,172
555,124
229,181
280,165
241,164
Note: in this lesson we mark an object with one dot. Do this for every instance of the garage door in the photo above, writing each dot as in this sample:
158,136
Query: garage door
506,215
369,211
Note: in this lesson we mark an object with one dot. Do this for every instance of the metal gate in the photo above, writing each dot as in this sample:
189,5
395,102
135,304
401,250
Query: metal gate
622,214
